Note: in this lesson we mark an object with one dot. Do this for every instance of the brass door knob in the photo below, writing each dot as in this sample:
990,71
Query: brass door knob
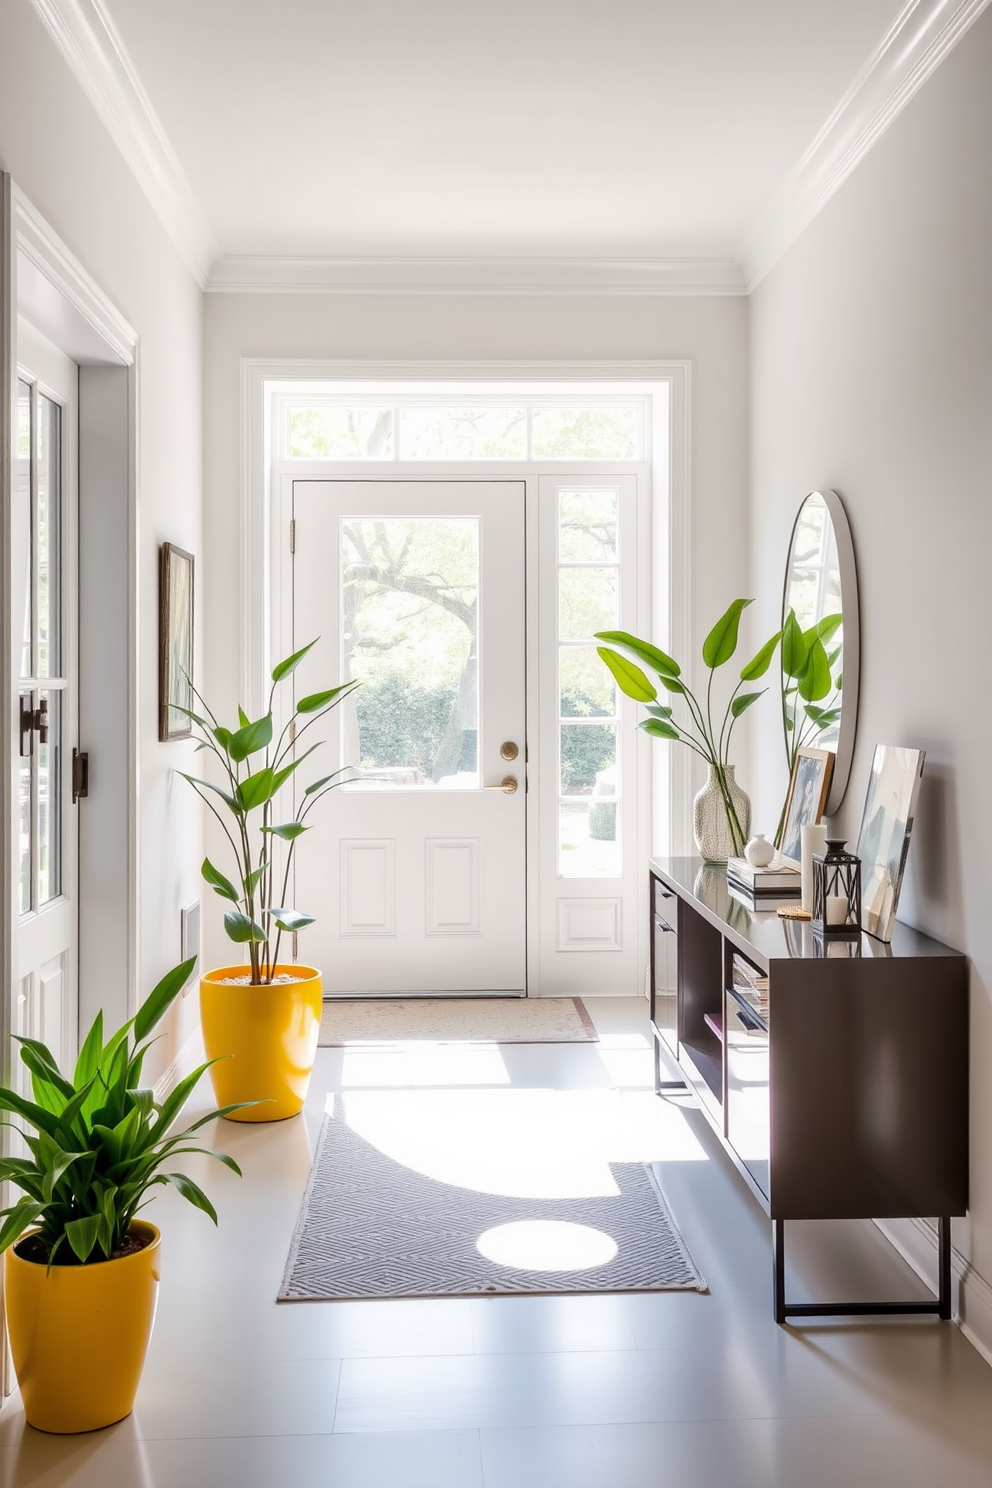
507,785
509,750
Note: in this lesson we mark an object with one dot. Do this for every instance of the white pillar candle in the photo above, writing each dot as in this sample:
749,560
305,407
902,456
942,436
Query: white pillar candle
836,909
812,840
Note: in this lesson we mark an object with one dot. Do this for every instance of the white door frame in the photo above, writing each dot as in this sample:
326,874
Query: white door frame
671,516
42,279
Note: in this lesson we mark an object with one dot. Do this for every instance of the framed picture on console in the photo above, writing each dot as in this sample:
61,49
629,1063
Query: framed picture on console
807,798
886,827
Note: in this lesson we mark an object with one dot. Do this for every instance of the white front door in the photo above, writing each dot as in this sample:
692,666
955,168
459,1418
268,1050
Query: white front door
416,872
44,663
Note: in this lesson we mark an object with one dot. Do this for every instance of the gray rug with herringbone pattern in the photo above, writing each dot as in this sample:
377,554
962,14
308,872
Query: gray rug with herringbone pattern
372,1227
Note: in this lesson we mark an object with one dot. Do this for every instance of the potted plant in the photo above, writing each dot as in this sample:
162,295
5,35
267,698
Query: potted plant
721,810
266,1014
81,1270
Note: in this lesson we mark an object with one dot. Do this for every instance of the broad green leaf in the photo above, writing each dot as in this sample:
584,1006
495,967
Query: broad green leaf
222,735
281,776
672,684
721,643
23,1214
656,659
629,678
160,999
241,929
659,710
742,703
291,919
194,780
190,1191
815,682
794,648
41,1062
81,1234
251,738
840,681
317,700
659,729
217,881
38,1117
89,1054
283,668
758,665
312,789
289,830
829,625
256,789
251,882
242,717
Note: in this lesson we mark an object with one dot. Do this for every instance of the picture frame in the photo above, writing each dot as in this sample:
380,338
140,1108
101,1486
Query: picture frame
175,655
886,828
806,802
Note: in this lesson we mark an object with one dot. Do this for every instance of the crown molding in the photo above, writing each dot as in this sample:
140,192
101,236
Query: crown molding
909,53
92,46
236,274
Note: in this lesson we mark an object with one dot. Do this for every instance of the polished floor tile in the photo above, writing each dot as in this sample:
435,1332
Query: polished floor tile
616,1391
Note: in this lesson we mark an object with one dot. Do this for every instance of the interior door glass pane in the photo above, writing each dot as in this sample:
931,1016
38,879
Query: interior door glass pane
410,593
21,526
49,757
49,535
588,759
587,525
24,825
588,839
463,433
587,599
340,433
587,689
586,434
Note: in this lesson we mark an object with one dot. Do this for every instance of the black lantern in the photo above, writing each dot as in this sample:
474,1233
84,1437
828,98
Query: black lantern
836,891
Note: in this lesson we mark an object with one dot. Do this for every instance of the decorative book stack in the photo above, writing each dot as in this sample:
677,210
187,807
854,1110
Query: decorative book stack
758,887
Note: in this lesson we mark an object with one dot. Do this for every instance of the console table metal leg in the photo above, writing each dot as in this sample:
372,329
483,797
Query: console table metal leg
944,1265
778,1267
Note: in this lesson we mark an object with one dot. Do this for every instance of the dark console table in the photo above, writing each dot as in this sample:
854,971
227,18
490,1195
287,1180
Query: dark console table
836,1077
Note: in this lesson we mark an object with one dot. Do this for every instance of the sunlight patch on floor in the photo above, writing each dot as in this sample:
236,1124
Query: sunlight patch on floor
415,1064
547,1245
520,1142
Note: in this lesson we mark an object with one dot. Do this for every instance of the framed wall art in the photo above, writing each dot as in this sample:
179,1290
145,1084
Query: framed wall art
886,827
807,798
175,655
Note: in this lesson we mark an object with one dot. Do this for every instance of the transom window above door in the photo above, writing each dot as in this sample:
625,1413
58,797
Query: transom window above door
478,428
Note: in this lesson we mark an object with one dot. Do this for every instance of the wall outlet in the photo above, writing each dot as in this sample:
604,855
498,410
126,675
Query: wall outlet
189,938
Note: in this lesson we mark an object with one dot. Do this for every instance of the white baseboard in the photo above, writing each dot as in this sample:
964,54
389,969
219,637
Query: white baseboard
971,1294
190,1055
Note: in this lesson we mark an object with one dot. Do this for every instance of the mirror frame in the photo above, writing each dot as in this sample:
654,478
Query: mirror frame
847,567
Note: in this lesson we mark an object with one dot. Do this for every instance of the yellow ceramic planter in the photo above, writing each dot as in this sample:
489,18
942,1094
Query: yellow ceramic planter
270,1035
79,1335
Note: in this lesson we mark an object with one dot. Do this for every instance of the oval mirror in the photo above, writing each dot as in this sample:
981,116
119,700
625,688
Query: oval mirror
821,588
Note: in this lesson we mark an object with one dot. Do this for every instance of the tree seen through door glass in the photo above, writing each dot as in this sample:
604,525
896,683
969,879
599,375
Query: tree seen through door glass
587,526
410,590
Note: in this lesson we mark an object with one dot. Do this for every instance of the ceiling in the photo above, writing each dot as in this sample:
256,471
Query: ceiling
540,130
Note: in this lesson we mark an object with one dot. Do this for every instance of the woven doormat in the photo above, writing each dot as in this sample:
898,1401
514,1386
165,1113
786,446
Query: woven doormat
456,1020
370,1226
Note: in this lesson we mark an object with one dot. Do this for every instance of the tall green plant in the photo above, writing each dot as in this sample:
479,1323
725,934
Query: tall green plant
700,730
248,794
98,1141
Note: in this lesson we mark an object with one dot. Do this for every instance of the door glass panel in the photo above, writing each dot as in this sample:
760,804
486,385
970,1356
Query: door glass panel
586,434
463,433
21,525
587,688
340,433
588,526
589,835
48,535
589,839
410,594
50,802
587,602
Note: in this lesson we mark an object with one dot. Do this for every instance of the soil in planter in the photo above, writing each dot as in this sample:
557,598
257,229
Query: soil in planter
33,1248
245,981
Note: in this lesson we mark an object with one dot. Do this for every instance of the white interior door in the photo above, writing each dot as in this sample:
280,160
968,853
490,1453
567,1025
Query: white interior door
43,534
416,872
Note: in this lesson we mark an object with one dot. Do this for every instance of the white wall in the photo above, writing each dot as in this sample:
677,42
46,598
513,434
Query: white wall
61,157
871,371
711,331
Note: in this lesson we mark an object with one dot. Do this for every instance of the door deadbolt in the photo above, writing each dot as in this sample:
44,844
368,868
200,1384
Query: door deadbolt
33,721
509,750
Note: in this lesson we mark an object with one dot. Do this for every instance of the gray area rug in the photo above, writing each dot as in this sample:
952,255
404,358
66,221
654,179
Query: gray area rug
371,1227
456,1020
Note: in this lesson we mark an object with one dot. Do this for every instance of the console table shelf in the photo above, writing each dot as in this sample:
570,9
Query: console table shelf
836,1075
